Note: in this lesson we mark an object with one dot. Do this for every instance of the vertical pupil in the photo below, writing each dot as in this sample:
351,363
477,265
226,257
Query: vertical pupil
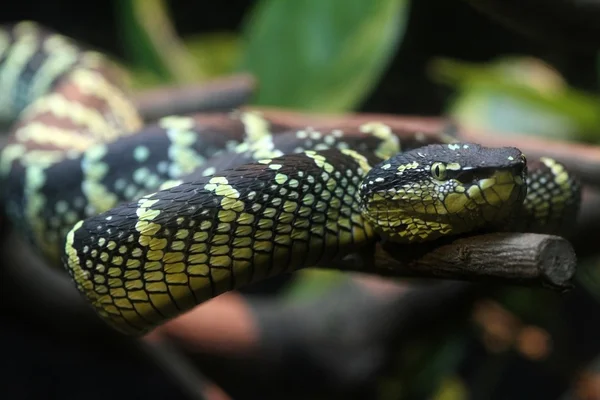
437,171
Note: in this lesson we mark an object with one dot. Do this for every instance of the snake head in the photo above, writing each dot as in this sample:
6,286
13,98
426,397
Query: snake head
443,189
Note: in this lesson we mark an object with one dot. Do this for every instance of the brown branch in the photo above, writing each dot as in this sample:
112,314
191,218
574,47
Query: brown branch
516,258
582,159
297,119
221,94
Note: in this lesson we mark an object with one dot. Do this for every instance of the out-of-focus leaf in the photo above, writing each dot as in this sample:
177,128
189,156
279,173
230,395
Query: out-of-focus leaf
215,54
152,42
142,78
451,388
519,95
320,55
422,364
312,282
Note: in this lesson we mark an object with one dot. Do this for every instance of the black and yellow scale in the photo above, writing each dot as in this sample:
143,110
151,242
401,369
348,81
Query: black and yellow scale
151,221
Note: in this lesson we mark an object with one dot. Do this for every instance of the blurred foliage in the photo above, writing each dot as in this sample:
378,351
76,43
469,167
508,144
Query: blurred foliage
156,53
327,56
313,282
521,95
321,55
425,367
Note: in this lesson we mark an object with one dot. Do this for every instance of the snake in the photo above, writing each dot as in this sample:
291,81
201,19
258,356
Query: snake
151,218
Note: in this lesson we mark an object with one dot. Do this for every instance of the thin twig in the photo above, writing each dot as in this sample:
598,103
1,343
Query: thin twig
221,94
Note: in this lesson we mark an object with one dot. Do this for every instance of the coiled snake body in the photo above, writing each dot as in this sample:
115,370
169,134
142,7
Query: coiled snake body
150,221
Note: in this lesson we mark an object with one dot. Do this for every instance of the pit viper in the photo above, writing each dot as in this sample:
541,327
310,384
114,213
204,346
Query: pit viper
152,219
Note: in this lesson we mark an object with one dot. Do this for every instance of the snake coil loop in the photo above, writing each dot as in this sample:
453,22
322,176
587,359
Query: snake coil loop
151,220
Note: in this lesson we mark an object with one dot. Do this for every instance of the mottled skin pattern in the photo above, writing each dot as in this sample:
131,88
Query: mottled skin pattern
151,221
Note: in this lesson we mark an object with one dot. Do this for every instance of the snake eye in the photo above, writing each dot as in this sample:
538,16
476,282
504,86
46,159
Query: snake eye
438,170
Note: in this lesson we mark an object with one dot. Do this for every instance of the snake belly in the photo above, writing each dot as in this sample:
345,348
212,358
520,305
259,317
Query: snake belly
152,220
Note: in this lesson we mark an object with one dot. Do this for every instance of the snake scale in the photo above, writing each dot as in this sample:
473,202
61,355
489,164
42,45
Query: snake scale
150,221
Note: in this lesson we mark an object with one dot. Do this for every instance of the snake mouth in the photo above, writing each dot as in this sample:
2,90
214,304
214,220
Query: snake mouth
472,198
478,174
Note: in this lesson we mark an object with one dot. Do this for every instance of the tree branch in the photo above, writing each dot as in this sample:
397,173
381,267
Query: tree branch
217,95
517,258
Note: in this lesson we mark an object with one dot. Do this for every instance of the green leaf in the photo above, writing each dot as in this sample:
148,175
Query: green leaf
312,282
216,53
451,388
519,94
152,43
320,55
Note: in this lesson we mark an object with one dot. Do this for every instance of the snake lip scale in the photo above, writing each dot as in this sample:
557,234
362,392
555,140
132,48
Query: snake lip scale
150,221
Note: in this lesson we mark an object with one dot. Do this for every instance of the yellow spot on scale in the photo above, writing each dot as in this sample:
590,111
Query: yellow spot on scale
147,214
182,234
141,153
157,243
146,229
256,126
204,225
176,122
390,144
359,158
132,263
198,248
404,167
281,178
562,178
218,180
227,215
